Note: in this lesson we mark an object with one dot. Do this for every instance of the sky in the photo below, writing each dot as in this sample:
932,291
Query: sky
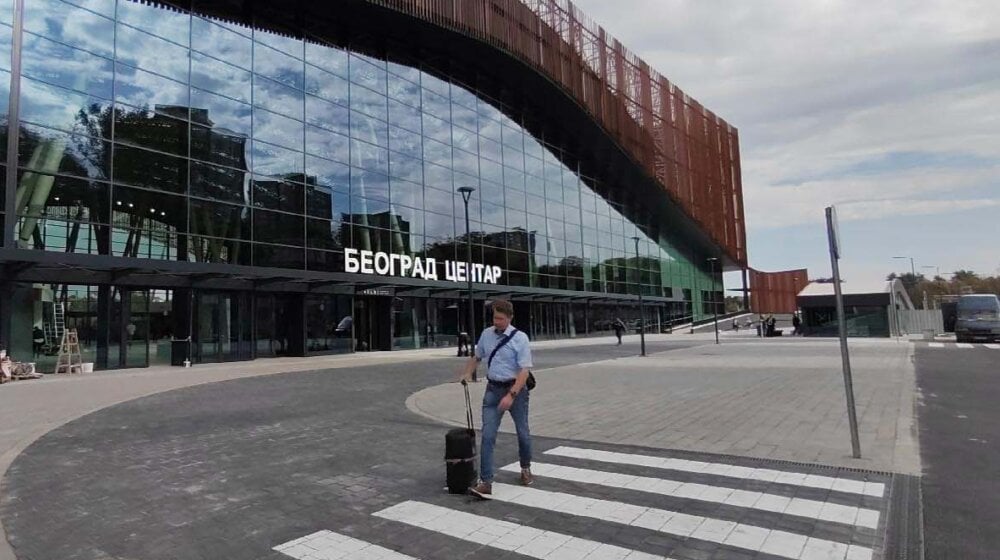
888,110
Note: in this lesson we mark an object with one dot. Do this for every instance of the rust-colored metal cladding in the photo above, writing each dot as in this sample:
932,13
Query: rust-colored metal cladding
691,152
775,292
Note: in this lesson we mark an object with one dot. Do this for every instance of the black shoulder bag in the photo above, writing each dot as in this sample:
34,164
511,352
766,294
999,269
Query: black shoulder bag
530,384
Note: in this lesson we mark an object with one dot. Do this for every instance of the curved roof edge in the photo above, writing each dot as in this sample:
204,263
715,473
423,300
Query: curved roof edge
692,153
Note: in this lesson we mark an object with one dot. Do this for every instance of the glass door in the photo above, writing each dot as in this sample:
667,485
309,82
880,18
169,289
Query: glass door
136,336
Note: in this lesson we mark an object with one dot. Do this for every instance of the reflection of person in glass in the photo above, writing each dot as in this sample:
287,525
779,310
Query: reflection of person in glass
37,340
343,329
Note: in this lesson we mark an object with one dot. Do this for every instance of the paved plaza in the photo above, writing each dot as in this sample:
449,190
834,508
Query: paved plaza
697,451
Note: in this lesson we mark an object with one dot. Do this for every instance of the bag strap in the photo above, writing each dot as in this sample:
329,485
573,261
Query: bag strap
513,333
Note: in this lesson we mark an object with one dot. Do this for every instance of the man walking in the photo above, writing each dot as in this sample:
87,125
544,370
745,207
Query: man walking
619,327
508,355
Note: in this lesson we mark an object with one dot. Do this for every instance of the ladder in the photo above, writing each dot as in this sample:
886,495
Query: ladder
69,360
54,323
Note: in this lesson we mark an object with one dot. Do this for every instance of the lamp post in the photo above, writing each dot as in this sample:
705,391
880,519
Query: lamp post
913,269
466,194
715,304
642,313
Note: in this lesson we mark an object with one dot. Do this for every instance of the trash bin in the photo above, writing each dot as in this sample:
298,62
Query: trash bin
178,351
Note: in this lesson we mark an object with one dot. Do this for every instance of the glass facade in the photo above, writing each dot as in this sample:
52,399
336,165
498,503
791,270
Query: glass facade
150,132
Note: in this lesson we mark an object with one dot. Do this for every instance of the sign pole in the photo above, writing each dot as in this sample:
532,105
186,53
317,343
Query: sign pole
852,415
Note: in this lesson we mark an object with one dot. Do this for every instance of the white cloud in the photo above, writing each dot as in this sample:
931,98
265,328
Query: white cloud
820,89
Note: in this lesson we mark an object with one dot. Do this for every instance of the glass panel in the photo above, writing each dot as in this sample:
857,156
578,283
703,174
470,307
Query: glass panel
215,39
156,131
53,151
64,66
369,102
213,219
137,329
144,89
152,53
55,107
287,196
219,145
368,72
275,227
328,324
405,116
291,46
279,130
323,234
214,250
161,327
331,59
264,325
146,224
49,204
71,25
228,120
220,183
278,66
275,161
151,170
216,76
278,257
279,98
327,115
326,85
171,24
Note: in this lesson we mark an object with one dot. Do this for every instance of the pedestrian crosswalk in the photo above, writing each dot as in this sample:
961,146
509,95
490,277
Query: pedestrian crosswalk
963,345
660,504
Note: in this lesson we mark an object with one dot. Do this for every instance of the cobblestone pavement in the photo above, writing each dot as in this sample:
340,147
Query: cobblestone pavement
331,464
766,398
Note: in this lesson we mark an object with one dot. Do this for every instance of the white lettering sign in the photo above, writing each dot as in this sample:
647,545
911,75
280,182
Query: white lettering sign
386,264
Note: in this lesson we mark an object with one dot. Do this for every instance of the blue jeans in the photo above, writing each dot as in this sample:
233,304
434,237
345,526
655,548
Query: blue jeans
491,424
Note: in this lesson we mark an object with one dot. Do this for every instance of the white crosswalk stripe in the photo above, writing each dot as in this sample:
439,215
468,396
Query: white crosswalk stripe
505,535
876,489
671,522
812,509
604,496
963,345
334,546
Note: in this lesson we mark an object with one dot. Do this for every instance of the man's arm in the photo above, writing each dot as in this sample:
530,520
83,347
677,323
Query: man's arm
520,381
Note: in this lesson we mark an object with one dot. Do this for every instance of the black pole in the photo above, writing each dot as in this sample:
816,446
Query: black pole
642,313
466,194
715,302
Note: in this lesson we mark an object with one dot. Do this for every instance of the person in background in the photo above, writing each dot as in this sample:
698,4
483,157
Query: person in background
37,340
619,327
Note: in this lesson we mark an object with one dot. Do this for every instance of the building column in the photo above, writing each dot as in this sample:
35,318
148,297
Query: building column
103,326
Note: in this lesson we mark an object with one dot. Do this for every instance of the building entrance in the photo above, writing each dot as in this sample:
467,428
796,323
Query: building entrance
372,324
222,327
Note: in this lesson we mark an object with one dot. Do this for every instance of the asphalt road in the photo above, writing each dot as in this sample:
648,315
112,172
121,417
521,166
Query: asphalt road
960,450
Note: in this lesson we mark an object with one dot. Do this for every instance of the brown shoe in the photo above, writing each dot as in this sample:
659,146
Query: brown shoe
483,490
527,479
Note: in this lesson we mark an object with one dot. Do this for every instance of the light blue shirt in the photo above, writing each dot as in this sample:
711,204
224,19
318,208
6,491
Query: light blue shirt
511,359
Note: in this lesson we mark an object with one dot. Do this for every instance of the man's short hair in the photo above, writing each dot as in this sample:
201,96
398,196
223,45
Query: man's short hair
503,306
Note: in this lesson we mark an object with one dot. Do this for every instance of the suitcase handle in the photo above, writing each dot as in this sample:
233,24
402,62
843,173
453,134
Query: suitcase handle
468,408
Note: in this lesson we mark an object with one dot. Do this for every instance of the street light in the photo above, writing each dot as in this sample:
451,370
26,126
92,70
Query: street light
642,313
715,304
466,194
913,270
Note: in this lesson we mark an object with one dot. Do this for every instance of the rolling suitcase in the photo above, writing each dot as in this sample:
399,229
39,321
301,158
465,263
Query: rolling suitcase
460,452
